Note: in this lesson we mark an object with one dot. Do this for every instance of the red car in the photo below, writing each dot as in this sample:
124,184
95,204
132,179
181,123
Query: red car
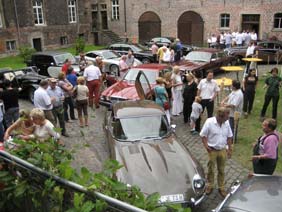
125,88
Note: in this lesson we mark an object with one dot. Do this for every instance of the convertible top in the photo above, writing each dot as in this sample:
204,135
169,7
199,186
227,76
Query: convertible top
139,108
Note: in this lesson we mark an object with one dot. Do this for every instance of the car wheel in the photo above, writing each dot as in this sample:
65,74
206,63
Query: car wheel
114,70
31,94
146,60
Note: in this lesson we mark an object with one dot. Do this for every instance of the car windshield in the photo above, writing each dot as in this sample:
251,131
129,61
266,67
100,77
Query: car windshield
132,74
136,128
109,55
198,56
61,58
139,48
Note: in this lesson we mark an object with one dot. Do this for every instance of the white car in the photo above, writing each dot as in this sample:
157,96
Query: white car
110,59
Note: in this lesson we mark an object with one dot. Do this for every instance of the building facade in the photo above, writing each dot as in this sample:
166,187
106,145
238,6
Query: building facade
42,24
193,21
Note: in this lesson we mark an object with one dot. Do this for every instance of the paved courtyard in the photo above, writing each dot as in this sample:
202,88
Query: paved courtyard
91,149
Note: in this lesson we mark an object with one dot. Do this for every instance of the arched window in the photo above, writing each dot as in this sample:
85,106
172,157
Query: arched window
224,20
38,12
278,20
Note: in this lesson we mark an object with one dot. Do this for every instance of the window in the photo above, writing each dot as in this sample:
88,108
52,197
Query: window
94,7
115,9
38,12
64,40
72,11
224,20
11,45
1,23
103,7
278,20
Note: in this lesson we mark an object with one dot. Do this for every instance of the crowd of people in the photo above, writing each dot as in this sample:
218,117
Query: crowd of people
228,39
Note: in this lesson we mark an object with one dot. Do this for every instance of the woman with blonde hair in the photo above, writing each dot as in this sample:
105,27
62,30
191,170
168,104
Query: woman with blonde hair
162,96
82,94
44,129
177,84
22,128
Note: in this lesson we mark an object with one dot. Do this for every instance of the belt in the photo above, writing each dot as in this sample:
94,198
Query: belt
215,148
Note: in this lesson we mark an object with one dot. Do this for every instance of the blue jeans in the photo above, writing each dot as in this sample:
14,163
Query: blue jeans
11,115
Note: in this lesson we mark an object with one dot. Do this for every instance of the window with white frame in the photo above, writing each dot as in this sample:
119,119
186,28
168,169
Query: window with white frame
278,21
72,11
11,45
224,20
1,23
38,12
115,9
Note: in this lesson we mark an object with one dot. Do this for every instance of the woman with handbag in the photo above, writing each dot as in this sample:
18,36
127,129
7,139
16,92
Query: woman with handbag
162,97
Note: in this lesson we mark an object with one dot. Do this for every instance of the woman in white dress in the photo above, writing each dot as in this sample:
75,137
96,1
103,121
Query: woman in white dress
177,105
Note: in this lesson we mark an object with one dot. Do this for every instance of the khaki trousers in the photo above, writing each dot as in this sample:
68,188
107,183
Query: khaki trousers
218,158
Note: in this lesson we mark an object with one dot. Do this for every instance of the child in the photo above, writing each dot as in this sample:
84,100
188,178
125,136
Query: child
195,115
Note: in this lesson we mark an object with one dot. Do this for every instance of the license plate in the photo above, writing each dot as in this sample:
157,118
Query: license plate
172,198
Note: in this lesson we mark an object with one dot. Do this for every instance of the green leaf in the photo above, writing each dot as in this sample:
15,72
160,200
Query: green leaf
87,206
78,200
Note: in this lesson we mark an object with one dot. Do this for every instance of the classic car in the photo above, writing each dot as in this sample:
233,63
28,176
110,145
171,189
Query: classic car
139,138
140,52
260,193
26,78
268,51
125,88
167,41
49,63
110,59
201,60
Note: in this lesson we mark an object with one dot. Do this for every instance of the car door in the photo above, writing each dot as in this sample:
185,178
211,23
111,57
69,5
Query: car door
143,86
108,129
267,52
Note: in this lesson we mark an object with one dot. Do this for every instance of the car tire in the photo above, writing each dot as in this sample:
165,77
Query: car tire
146,60
31,94
114,69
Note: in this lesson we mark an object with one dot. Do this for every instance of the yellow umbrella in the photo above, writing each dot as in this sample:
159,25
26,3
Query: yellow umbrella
236,69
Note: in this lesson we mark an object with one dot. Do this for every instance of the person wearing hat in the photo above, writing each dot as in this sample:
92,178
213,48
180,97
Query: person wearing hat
272,84
57,94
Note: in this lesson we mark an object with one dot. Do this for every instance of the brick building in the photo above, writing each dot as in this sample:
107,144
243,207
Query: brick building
42,24
193,21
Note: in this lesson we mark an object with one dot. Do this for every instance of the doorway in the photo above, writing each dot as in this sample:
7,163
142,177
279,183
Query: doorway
190,28
104,18
251,22
37,44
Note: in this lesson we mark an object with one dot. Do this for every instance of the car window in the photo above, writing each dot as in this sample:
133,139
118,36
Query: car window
109,55
198,56
61,58
132,74
92,55
136,128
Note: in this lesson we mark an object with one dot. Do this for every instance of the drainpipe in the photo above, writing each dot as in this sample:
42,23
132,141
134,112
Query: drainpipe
17,20
125,24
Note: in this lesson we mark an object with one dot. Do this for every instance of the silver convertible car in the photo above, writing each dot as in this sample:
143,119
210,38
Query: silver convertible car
140,138
110,59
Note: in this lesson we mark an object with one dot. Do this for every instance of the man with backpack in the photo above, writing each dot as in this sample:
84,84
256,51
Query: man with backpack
265,152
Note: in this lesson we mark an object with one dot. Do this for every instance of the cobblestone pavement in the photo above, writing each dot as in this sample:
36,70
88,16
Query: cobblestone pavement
90,148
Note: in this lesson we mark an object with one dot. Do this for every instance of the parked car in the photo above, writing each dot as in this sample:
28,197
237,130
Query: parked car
269,51
257,194
125,88
139,138
110,59
140,52
26,78
160,41
201,60
50,63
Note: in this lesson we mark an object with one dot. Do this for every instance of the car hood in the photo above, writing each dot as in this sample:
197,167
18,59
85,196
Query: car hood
163,166
123,90
258,194
31,77
189,65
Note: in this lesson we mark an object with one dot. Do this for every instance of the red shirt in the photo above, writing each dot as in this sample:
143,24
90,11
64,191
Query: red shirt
65,68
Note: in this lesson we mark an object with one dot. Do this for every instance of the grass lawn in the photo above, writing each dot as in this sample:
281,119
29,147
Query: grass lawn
15,62
250,129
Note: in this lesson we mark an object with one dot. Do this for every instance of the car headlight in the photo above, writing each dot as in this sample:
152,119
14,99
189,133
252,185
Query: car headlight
198,183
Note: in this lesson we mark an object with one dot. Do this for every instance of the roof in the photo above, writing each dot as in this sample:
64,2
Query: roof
52,53
139,108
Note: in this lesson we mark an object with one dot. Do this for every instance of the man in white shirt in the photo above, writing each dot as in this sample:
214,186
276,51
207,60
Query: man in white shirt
129,59
254,36
234,101
216,135
43,101
228,40
239,39
93,76
208,90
